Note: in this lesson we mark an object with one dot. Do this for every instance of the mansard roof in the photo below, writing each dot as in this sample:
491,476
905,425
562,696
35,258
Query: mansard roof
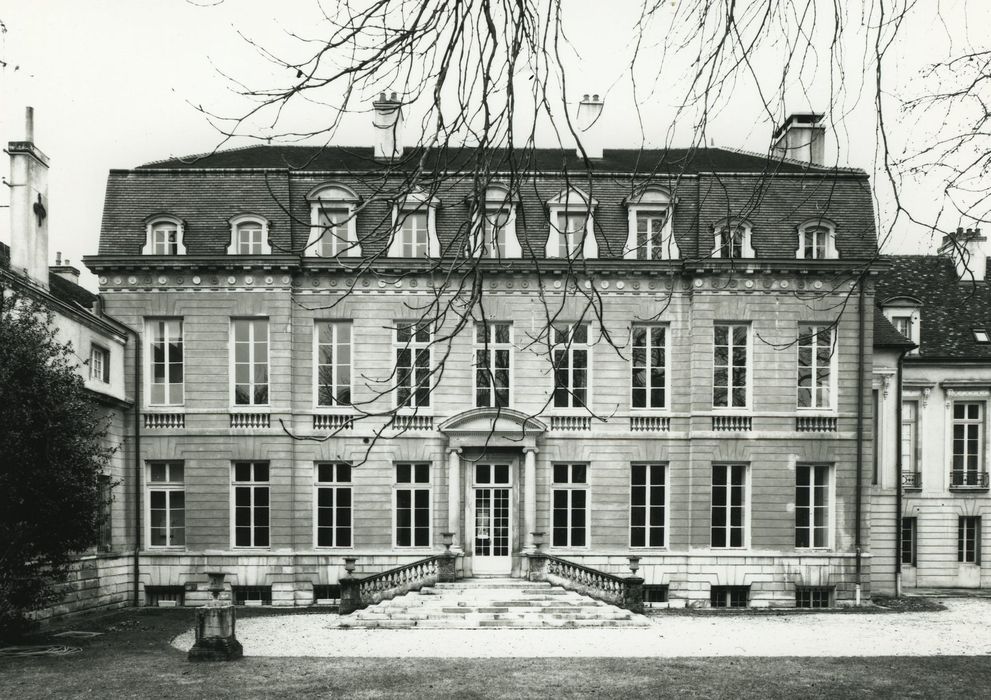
950,308
273,181
676,161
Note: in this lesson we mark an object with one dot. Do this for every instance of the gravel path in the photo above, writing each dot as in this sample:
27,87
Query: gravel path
963,629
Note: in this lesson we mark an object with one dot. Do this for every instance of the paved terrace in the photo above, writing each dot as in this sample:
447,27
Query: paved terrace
963,629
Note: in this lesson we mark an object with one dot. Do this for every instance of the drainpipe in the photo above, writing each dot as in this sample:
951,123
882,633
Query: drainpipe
898,477
137,462
860,441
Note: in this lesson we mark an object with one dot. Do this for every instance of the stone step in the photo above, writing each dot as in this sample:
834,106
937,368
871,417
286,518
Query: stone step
491,603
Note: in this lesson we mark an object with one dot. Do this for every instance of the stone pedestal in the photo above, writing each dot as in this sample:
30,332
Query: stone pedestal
633,594
215,640
446,567
537,566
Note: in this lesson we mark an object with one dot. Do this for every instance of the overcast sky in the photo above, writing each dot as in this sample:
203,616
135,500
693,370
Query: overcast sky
114,84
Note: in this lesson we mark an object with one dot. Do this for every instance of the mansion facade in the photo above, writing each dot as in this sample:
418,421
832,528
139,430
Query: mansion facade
667,356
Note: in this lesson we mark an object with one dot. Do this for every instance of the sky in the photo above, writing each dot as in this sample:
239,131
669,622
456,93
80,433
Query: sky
116,83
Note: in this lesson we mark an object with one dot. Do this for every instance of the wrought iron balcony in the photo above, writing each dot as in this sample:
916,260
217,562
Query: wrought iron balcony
912,480
968,479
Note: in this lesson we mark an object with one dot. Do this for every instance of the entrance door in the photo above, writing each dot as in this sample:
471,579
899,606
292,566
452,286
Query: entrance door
493,521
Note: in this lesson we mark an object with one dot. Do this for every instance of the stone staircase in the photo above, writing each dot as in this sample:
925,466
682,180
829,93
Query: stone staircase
483,603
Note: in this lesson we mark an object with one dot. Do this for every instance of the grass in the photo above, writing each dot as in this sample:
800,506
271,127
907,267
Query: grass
133,659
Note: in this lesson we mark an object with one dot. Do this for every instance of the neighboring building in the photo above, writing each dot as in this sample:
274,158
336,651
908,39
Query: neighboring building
102,577
668,358
943,305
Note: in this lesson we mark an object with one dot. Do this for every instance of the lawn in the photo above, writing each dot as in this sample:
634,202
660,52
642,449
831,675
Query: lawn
133,659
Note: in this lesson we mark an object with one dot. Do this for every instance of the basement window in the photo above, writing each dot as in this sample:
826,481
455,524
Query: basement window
655,595
982,336
812,596
729,596
165,596
327,594
252,595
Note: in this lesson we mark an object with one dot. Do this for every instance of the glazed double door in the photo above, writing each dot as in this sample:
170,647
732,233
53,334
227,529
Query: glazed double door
492,502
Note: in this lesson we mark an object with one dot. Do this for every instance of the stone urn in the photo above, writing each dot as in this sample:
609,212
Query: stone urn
215,622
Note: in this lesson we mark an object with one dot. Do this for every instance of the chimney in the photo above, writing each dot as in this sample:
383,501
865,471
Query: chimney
801,137
29,206
589,111
388,123
969,250
64,269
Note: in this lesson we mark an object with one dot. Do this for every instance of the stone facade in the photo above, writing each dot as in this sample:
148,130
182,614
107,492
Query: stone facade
772,294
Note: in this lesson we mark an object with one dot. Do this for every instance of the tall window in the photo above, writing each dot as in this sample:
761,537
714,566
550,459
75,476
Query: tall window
99,364
969,539
166,504
910,441
414,235
251,504
165,239
333,232
250,238
876,431
649,367
909,544
729,505
647,504
412,504
650,234
165,355
413,365
729,363
333,504
333,366
812,506
493,359
730,242
569,502
571,239
250,361
570,355
968,439
815,362
496,233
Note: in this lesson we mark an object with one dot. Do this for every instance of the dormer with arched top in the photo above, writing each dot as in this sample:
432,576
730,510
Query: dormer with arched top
333,221
572,226
493,228
650,235
249,235
164,235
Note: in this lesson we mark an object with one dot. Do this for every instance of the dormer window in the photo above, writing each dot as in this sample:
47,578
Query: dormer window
817,241
494,232
164,236
333,222
905,315
572,226
414,228
249,236
649,235
731,240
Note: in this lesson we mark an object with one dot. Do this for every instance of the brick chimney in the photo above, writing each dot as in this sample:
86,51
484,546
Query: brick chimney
388,121
801,137
63,269
969,250
29,206
589,111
